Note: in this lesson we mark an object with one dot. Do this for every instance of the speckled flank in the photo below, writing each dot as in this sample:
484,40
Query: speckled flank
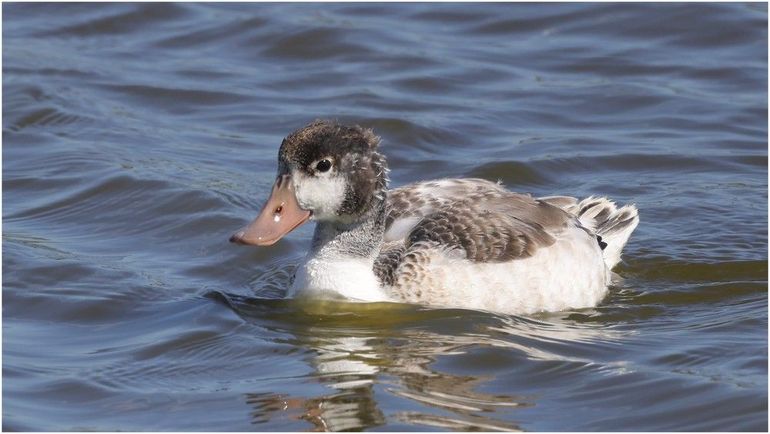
386,263
415,280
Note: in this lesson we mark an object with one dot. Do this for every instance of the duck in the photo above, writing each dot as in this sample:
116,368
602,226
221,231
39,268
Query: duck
449,243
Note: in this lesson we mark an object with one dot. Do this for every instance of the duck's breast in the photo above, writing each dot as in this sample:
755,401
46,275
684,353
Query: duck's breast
347,278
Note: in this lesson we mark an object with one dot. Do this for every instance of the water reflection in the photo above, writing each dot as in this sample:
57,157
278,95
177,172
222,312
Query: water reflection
349,409
355,369
364,354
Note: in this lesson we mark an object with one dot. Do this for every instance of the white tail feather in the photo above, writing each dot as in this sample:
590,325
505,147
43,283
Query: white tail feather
600,215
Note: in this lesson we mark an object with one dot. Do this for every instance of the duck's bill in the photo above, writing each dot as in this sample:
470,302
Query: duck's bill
280,215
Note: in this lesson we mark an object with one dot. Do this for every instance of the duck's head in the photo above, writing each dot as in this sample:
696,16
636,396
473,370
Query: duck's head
327,172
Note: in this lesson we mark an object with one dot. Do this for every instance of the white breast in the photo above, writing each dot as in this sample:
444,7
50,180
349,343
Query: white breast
350,278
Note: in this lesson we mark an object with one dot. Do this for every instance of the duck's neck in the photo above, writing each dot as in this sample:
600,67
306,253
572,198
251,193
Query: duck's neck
341,259
360,240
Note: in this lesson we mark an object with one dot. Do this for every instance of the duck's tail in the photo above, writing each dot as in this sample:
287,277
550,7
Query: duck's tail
612,225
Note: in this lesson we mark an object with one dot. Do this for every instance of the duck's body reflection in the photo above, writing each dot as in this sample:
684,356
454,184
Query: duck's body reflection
363,358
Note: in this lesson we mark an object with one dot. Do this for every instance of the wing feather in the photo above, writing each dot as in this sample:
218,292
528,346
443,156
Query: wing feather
477,217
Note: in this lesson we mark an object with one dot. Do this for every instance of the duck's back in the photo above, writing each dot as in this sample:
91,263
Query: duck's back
471,243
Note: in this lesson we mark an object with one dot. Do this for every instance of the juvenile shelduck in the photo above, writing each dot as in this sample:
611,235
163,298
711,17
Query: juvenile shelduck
463,243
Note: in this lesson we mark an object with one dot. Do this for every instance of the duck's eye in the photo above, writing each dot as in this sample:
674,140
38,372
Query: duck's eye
323,166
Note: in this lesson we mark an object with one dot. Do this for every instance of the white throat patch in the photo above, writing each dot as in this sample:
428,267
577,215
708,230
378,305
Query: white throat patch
323,194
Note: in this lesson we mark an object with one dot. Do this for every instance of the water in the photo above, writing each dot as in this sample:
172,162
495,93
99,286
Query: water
138,137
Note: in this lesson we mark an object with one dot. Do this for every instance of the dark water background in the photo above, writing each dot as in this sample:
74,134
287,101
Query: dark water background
137,137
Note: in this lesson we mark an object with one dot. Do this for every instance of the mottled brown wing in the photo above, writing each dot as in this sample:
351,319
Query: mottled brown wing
487,233
479,218
423,198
